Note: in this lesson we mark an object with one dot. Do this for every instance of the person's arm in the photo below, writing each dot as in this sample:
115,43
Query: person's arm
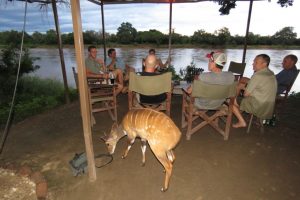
111,65
90,74
189,89
102,64
129,68
161,64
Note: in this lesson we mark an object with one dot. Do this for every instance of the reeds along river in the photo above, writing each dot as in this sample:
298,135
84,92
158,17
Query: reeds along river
181,57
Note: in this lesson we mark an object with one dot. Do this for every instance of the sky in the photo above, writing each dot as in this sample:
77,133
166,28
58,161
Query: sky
267,17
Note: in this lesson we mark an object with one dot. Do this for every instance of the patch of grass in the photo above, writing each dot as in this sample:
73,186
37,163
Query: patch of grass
35,95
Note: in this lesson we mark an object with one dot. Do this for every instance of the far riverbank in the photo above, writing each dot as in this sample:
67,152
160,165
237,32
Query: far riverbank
148,46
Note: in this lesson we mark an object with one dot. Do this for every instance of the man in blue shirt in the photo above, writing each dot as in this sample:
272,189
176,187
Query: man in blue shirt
288,74
117,64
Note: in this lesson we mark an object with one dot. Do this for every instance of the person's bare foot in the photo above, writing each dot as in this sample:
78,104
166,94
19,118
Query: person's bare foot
239,125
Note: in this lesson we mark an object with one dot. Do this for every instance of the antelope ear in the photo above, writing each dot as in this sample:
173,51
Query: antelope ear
114,126
104,138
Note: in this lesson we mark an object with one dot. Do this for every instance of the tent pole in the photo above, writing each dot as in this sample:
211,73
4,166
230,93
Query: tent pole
170,32
247,30
83,89
103,32
61,53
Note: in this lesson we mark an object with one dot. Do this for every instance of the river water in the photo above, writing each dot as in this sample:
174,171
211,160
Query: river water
181,57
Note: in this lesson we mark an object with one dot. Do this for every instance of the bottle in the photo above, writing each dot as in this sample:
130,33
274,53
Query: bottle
111,78
273,120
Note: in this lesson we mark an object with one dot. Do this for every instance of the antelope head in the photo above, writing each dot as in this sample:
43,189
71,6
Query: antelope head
112,139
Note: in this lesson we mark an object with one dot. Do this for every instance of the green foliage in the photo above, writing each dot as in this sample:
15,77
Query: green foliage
35,95
175,76
126,33
190,71
9,67
226,6
152,36
285,3
285,36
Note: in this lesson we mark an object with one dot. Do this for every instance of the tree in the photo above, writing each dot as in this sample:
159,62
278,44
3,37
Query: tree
223,35
91,37
38,38
285,3
202,37
126,33
285,36
151,36
9,66
51,37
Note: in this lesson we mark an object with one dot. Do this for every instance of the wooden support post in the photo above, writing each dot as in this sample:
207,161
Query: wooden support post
83,90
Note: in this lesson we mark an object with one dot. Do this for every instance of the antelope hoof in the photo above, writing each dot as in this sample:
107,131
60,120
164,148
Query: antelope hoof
163,189
123,157
143,164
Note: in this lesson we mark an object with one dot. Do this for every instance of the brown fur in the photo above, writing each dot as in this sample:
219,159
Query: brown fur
153,127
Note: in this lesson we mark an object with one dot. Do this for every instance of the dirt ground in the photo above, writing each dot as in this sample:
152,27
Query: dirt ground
246,167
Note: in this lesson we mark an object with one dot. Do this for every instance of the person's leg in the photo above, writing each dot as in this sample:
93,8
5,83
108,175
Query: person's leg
119,88
119,76
236,111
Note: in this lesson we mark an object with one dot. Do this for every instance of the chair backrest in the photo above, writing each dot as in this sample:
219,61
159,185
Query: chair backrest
237,68
150,85
213,91
75,74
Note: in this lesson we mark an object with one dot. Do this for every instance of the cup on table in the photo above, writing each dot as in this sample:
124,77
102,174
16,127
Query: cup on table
111,78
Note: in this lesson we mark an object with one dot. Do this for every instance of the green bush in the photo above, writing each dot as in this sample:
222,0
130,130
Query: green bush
35,95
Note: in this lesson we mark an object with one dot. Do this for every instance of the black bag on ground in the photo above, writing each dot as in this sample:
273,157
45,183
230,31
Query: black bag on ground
79,164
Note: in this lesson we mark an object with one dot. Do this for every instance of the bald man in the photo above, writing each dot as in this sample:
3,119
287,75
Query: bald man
150,67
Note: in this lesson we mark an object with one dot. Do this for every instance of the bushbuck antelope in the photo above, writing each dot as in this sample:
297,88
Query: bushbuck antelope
152,126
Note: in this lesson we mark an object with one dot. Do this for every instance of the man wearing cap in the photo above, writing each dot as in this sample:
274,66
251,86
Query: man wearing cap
217,61
259,93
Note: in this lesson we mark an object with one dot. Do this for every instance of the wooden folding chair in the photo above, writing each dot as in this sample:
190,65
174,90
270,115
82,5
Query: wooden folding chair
102,98
209,91
237,69
150,85
261,124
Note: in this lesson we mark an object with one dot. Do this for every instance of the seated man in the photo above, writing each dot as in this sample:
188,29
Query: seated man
260,92
116,64
284,77
160,65
150,66
95,68
288,74
217,60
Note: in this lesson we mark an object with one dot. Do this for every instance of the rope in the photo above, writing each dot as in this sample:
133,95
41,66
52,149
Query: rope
16,84
104,155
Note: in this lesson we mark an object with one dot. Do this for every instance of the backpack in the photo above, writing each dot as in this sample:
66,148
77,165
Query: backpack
79,164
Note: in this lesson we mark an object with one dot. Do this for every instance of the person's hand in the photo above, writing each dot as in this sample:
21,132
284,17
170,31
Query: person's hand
100,61
105,76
